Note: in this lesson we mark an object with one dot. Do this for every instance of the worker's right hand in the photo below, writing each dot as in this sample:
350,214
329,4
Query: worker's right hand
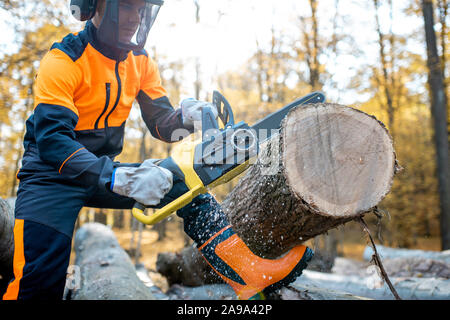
147,184
191,111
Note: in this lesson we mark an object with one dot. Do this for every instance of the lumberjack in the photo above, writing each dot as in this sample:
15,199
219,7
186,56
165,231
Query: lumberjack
85,88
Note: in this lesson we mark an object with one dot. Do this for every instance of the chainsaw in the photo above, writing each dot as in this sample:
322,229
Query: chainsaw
215,158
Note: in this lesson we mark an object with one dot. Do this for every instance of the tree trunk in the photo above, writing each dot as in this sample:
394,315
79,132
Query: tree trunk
387,78
439,113
6,244
443,7
329,165
105,270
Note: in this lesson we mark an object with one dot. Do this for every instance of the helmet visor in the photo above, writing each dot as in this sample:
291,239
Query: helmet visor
136,17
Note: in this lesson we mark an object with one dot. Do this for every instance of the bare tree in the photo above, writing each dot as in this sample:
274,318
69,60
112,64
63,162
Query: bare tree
311,45
387,81
443,7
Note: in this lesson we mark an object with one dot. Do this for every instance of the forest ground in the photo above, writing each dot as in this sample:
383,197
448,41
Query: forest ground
351,246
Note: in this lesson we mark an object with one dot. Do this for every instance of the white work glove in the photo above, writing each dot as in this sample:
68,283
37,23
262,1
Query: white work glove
147,184
191,111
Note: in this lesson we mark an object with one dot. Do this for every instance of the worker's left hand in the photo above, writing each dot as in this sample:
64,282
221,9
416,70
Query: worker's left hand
191,111
147,184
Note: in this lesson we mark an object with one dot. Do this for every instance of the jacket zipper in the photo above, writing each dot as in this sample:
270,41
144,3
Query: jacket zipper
119,90
108,95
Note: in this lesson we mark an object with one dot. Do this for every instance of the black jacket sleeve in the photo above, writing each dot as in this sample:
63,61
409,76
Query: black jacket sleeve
162,120
55,138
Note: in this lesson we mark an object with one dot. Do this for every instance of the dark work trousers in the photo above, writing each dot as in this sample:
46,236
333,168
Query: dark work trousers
46,210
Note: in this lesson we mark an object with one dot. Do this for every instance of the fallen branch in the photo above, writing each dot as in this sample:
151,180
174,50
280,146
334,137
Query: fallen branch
377,260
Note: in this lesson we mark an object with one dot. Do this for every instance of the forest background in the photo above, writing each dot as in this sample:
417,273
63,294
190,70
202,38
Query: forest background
263,54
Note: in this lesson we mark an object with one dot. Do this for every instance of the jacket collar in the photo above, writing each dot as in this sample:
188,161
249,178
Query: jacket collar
108,51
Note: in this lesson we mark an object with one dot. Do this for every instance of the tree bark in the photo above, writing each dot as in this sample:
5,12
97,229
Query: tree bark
329,165
105,270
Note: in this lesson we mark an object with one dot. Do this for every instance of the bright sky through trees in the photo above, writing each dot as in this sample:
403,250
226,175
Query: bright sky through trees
226,35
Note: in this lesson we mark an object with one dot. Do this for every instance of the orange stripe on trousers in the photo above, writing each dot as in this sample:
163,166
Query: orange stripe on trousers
213,237
12,292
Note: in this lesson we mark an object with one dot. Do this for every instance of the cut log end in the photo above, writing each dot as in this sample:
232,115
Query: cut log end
330,165
337,159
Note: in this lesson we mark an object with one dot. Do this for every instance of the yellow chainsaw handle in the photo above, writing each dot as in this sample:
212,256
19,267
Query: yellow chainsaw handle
167,210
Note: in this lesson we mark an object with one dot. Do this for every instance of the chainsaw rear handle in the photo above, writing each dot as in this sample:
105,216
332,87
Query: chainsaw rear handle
160,214
186,185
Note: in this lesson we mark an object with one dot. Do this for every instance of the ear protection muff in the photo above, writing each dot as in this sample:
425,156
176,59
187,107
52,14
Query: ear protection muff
83,9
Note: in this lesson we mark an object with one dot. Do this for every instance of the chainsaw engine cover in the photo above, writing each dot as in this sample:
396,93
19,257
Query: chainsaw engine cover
224,151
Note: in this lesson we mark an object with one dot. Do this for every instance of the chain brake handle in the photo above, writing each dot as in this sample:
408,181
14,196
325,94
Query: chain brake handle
224,110
210,126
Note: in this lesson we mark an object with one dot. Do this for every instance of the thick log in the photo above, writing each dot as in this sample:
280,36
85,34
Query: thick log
416,267
372,287
144,275
204,292
6,243
224,292
312,292
330,164
389,253
105,270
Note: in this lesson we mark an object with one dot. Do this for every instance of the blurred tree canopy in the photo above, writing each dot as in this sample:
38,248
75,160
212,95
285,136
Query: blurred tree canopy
392,86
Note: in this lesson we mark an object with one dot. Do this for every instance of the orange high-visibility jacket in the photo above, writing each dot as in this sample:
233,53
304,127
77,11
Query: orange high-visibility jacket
84,91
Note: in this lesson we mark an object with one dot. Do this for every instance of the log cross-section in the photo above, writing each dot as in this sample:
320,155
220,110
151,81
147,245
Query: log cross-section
329,165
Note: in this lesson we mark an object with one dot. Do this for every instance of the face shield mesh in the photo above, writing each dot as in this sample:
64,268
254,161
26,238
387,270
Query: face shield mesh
148,17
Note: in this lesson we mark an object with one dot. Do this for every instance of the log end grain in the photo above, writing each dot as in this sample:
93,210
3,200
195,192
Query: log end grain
337,159
329,165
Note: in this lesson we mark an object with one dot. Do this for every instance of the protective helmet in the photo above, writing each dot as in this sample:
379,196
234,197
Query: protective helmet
109,32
